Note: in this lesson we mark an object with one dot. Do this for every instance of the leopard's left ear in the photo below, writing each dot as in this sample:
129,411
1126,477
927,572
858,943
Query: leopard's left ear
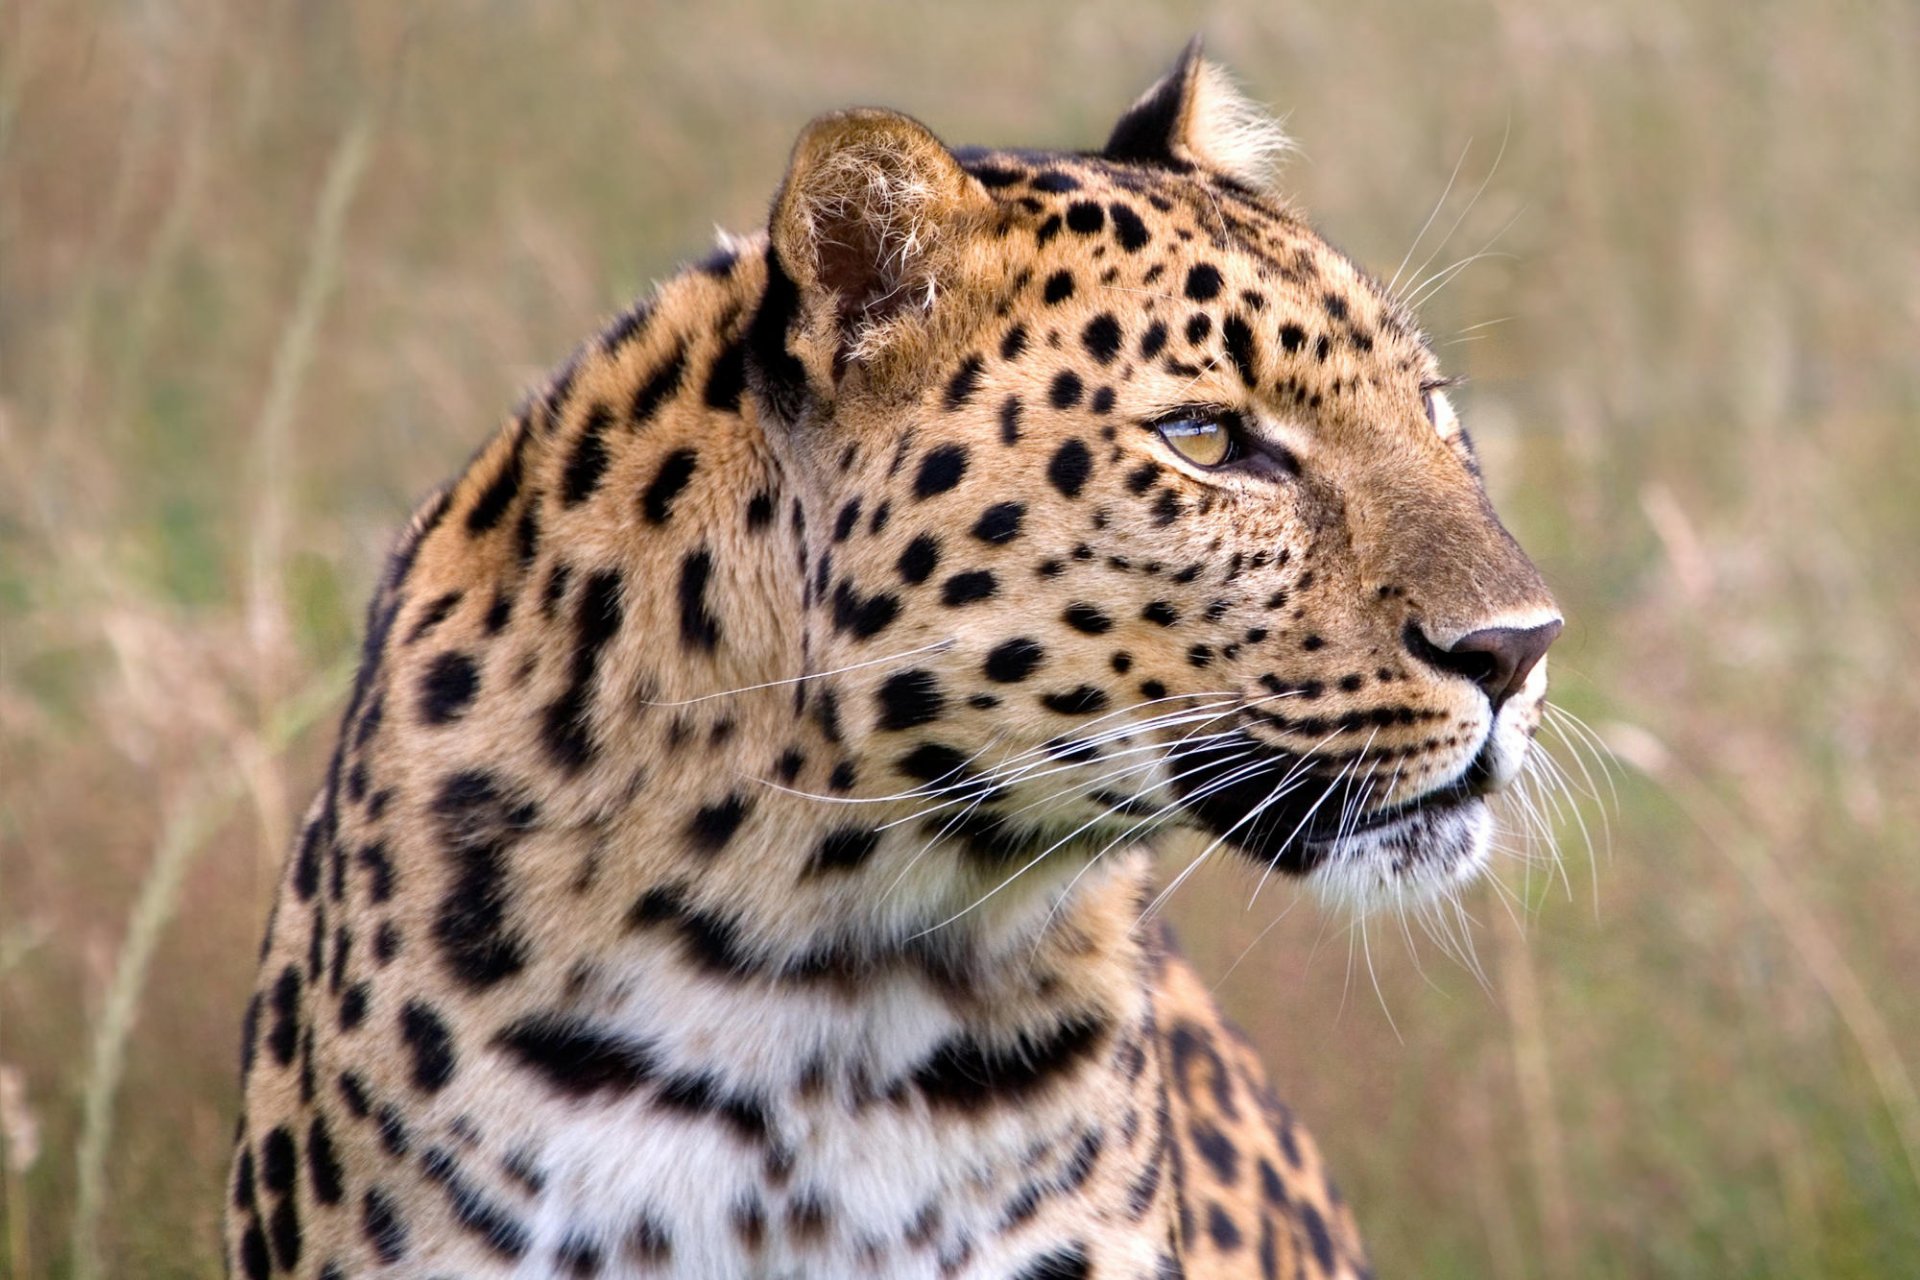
1195,116
866,233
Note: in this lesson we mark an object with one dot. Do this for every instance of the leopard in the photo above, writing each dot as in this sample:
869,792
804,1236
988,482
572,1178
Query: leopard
740,853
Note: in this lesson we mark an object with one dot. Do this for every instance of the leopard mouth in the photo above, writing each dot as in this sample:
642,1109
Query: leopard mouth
1298,813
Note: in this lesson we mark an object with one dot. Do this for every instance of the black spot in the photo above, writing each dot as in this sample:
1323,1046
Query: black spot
588,462
1240,348
1318,1236
1059,288
1161,612
498,614
699,629
473,1210
323,1165
284,1231
760,511
933,762
434,614
1083,701
491,506
526,535
284,1037
353,1006
1086,218
1087,619
967,1075
1203,282
862,616
575,1057
1054,182
969,587
1102,403
1014,344
625,328
845,849
1226,1236
278,1158
385,1229
430,1044
940,470
920,558
564,726
1047,230
1014,660
1000,522
908,699
664,382
1010,420
648,1243
579,1257
961,386
704,1095
477,827
1153,341
713,825
306,862
1128,226
255,1262
1068,1263
675,470
1069,467
1292,338
1066,389
1101,338
447,687
727,378
843,523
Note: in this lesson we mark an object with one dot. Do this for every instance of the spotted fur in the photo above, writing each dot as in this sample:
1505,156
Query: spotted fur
735,852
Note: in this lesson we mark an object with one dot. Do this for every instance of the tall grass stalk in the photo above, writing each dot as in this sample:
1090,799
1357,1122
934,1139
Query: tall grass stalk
197,818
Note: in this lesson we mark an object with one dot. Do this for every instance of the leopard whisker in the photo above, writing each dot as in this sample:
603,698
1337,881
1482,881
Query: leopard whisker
1438,205
937,646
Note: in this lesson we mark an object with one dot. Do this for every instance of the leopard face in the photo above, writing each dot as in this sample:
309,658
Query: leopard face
1131,504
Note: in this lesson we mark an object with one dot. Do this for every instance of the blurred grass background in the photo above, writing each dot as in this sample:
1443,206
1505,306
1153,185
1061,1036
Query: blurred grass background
269,270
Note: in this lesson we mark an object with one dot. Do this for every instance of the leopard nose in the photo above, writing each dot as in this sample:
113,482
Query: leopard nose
1498,659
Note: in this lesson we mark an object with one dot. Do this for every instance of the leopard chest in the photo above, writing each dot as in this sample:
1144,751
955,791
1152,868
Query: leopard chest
766,1131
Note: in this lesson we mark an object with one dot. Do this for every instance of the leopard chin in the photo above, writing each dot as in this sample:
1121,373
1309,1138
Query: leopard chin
1425,854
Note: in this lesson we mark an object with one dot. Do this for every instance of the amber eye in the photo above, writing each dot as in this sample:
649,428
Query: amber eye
1204,442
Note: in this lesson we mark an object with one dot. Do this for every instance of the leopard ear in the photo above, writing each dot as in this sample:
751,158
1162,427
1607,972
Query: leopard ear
1195,116
864,235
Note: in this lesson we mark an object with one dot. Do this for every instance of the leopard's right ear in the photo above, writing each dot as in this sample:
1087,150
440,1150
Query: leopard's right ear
865,233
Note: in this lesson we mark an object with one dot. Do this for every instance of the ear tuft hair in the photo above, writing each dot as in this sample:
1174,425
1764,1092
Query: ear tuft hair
1196,116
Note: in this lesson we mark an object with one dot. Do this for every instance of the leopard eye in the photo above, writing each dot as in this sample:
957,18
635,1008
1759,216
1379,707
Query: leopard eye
1204,442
